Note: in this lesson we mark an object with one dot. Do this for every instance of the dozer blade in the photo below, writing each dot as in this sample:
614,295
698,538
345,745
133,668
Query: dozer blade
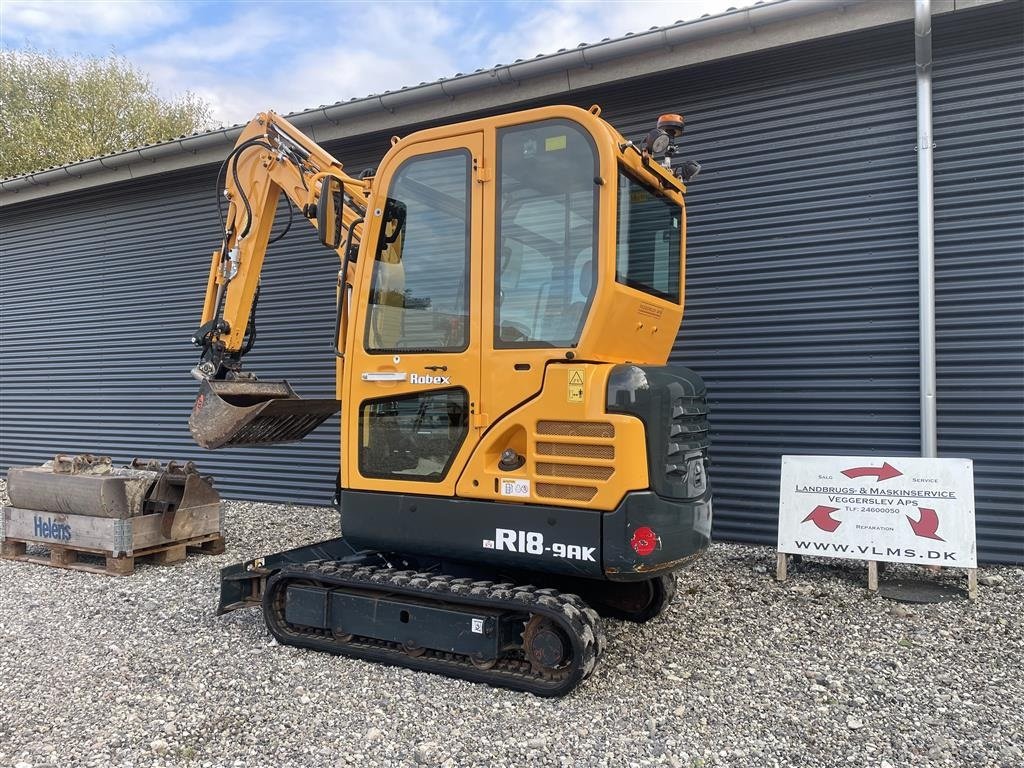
254,413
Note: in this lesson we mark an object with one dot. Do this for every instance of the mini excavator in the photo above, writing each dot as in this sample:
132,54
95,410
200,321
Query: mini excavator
519,458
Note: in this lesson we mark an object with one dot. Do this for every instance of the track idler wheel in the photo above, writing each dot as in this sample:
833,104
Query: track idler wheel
637,601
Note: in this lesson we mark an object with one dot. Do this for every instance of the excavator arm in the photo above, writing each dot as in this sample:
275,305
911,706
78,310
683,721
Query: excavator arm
270,158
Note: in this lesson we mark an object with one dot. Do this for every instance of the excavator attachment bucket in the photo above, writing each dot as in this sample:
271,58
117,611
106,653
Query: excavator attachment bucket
92,486
254,413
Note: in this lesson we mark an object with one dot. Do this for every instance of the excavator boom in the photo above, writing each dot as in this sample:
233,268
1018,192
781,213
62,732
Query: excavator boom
271,158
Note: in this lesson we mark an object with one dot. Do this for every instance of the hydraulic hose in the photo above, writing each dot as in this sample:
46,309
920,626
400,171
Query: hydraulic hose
233,156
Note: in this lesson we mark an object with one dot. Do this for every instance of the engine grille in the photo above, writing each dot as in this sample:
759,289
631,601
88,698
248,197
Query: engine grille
561,443
576,450
581,471
567,492
576,428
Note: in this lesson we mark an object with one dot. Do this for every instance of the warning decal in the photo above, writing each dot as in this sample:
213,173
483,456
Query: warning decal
575,385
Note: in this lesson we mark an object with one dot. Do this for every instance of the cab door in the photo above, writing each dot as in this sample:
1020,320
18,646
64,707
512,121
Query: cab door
413,372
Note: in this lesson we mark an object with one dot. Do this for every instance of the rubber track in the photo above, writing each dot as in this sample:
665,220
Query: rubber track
579,621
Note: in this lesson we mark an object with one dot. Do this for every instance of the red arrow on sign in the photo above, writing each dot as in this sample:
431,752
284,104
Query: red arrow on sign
883,472
822,517
927,525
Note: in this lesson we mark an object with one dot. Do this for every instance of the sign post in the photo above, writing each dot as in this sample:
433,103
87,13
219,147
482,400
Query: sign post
895,510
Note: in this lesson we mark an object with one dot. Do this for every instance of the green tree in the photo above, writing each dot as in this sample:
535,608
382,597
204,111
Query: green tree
56,110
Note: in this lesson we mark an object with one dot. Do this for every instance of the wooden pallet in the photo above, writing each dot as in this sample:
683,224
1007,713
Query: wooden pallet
163,537
116,565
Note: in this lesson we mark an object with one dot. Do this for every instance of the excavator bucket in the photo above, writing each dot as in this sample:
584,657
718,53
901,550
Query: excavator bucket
254,413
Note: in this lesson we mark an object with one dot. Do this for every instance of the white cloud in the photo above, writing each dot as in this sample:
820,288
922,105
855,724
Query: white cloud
246,35
54,23
566,24
247,65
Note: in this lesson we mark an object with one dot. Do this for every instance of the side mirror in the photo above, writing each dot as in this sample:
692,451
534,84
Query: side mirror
328,211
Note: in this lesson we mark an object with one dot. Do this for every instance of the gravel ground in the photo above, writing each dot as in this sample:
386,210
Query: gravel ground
101,671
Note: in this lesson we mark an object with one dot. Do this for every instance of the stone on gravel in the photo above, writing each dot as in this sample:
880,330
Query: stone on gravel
424,753
991,580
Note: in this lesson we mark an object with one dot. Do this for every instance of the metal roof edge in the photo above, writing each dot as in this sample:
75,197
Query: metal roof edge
483,89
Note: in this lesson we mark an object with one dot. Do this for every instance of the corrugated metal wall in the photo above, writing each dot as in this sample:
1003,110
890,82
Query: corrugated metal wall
801,296
979,251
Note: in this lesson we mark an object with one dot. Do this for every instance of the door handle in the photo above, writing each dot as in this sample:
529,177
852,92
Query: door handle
384,376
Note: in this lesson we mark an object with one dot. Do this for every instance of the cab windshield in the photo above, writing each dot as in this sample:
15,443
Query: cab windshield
647,252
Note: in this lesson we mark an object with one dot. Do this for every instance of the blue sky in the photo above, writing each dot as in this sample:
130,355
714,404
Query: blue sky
243,57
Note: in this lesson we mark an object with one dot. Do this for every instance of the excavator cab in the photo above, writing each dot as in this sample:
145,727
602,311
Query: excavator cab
568,197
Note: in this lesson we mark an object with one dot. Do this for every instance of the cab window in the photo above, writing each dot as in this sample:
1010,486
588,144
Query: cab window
419,297
546,239
414,436
647,250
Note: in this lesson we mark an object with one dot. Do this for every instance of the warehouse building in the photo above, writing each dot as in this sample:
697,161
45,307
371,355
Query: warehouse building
802,308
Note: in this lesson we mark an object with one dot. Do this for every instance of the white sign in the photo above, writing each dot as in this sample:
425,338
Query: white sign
897,510
515,487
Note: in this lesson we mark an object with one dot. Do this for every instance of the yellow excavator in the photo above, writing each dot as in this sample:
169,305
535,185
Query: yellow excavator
517,457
